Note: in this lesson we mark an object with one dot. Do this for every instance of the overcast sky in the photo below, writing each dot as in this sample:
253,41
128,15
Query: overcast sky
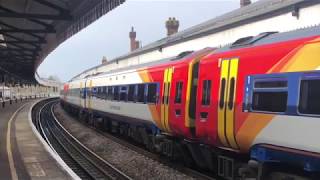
109,36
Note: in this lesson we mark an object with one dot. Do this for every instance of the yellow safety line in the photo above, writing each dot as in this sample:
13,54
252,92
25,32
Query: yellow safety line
13,170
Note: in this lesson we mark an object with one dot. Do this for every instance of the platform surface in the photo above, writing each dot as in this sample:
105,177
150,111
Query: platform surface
22,156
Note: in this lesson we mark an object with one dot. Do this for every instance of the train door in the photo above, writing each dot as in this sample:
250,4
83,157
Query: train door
226,106
88,91
83,94
191,99
177,100
167,78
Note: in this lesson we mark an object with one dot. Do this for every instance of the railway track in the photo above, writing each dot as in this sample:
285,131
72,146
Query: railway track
141,150
85,163
197,174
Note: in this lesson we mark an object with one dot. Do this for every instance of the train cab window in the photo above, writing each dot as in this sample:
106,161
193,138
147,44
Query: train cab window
152,93
123,93
140,94
131,93
116,93
206,92
270,96
310,97
178,95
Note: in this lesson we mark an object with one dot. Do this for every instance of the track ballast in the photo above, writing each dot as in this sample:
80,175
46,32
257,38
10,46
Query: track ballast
85,163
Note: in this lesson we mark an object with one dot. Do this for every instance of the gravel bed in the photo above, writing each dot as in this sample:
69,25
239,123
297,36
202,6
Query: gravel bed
130,162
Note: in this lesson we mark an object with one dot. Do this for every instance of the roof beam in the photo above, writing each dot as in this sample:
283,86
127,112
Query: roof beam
21,42
40,41
16,55
17,30
36,16
16,49
51,5
48,26
19,53
13,27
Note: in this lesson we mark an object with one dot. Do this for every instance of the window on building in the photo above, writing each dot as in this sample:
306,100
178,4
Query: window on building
123,93
270,96
310,97
131,93
152,93
140,94
178,95
206,92
116,93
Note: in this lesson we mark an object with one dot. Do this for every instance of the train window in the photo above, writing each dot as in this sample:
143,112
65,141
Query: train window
152,93
178,96
131,93
309,97
94,91
206,92
99,91
105,92
116,93
270,95
231,95
110,93
140,94
270,101
123,93
271,84
222,93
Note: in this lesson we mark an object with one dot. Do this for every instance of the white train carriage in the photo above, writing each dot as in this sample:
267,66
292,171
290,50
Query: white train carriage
5,93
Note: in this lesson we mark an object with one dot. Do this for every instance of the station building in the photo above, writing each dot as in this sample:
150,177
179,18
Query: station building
249,20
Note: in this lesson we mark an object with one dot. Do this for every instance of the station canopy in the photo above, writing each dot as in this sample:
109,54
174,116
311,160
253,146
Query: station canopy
31,29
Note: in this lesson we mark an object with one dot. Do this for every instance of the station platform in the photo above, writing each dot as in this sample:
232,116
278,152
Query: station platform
22,155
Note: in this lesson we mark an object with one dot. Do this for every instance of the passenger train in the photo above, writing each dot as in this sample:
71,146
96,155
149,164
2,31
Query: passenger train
246,110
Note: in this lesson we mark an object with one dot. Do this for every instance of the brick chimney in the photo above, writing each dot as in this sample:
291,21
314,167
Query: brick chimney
137,44
132,36
172,26
134,44
244,3
104,60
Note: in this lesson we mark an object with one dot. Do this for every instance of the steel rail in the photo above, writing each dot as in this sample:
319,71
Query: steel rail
84,162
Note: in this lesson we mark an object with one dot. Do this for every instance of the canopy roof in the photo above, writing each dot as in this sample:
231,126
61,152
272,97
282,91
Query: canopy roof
31,29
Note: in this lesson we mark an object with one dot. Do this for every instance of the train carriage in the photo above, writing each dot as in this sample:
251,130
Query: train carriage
256,101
